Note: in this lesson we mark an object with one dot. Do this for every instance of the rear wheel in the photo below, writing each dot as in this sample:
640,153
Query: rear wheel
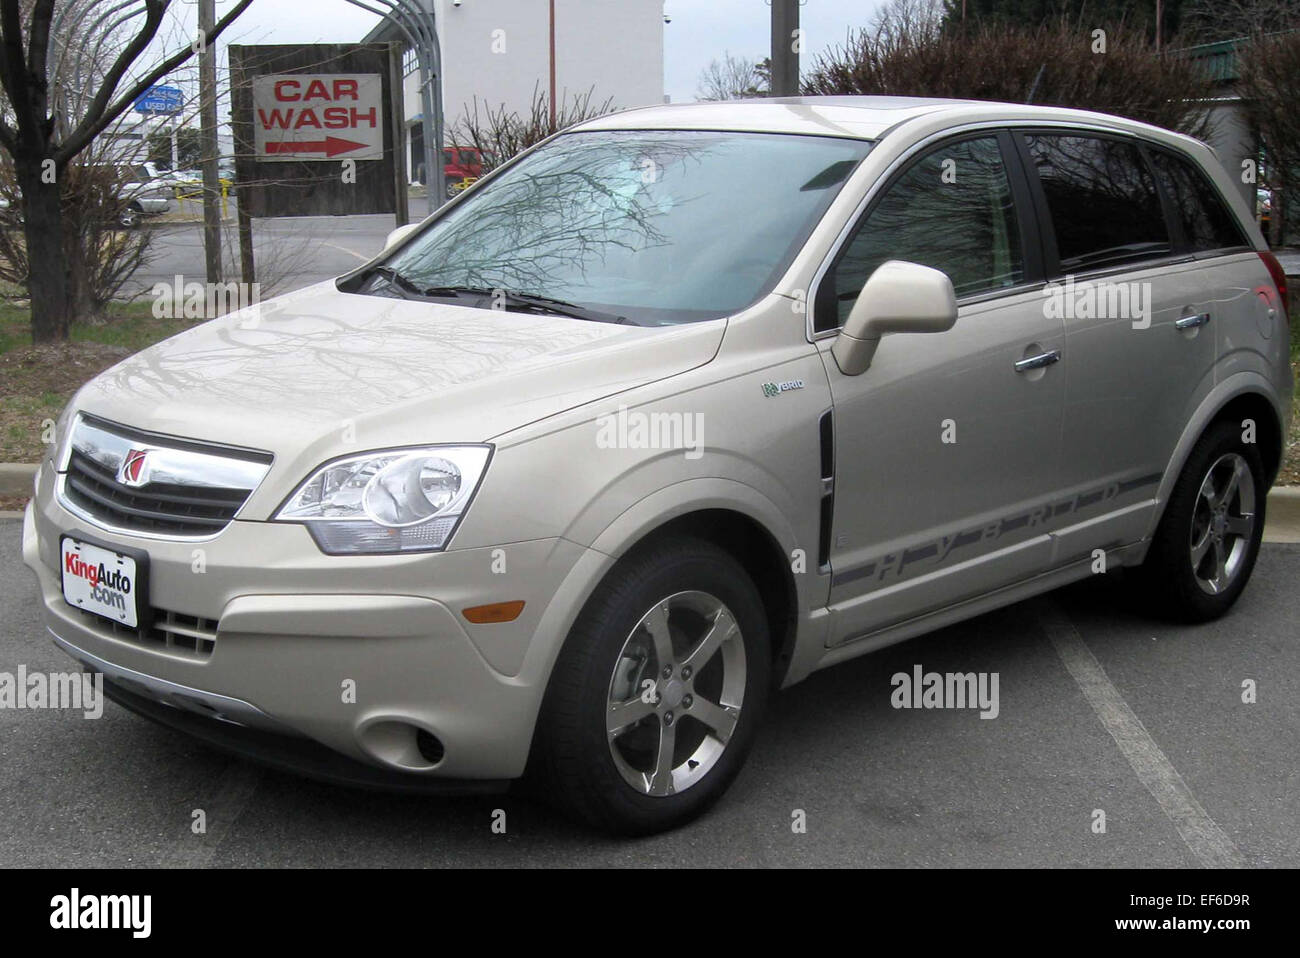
129,218
656,696
1207,542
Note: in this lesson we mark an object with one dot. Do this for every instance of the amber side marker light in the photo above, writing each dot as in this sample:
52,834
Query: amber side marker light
496,612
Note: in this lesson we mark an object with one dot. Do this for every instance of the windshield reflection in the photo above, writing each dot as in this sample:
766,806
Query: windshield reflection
660,226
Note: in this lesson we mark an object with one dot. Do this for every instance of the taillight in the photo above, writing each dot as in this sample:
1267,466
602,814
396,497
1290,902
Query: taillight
1279,279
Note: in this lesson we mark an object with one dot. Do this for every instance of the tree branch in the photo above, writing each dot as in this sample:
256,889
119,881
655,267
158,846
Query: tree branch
90,128
87,129
12,76
38,39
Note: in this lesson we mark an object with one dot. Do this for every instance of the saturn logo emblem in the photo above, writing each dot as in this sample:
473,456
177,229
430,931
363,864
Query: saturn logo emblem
134,470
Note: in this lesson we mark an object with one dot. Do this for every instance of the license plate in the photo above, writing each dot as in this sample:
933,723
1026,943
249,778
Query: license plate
99,580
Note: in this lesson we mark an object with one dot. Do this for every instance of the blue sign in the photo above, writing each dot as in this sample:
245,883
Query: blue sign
165,100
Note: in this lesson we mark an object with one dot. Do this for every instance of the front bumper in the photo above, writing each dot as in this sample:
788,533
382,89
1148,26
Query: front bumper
359,654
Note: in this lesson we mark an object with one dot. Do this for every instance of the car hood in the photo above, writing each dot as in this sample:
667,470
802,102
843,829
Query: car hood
319,372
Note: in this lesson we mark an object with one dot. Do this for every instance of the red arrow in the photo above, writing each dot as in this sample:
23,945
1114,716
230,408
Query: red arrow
330,146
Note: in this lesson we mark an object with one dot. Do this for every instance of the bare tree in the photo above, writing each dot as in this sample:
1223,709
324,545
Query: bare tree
732,78
97,189
1208,21
905,53
55,111
1270,89
500,134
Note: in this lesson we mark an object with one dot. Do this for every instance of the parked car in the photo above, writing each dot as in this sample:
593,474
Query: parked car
461,164
672,411
135,195
141,195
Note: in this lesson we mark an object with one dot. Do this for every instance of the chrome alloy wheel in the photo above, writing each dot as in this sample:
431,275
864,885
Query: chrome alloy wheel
676,693
1223,522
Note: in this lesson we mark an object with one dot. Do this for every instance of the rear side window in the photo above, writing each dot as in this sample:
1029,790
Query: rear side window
952,210
1103,203
1207,223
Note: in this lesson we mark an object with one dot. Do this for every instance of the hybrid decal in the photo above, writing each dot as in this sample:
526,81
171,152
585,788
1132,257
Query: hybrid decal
938,551
775,389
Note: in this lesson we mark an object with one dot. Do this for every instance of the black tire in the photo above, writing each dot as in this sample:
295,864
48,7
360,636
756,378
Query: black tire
1167,581
130,217
572,765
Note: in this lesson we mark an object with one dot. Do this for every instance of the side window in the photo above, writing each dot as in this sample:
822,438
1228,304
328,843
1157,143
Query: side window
952,210
1207,222
1103,203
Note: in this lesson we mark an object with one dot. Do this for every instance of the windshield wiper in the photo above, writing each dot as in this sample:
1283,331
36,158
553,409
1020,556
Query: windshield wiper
527,301
395,279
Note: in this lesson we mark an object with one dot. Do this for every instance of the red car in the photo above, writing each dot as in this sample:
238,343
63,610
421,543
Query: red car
461,163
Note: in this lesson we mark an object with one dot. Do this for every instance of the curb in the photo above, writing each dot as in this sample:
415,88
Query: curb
16,478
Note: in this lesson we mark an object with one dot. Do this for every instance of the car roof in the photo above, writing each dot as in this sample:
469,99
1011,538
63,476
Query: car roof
858,117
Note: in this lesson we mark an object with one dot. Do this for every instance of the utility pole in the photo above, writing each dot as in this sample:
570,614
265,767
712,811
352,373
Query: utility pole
208,134
785,59
553,113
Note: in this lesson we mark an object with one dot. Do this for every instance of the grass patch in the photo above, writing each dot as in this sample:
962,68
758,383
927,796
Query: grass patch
36,382
131,325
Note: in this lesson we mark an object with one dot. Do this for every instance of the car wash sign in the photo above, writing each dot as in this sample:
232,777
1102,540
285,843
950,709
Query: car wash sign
318,116
319,129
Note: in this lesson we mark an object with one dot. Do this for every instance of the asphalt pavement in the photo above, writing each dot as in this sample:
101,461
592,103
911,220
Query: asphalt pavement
1101,709
290,252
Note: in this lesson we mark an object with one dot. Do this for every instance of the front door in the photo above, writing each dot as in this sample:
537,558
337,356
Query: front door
947,448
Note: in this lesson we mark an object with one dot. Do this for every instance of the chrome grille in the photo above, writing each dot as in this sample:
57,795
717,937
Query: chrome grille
173,632
188,490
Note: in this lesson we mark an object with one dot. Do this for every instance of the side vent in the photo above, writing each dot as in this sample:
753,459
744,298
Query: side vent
827,428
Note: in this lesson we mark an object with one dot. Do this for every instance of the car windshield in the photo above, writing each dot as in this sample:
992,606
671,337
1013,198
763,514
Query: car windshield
658,227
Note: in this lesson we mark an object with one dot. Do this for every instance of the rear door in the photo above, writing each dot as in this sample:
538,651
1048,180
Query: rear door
1139,331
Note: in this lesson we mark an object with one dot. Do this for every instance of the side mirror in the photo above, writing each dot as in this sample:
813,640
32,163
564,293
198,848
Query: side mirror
399,234
899,297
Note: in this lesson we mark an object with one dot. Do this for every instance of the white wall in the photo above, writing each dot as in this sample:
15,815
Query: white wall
615,47
1231,138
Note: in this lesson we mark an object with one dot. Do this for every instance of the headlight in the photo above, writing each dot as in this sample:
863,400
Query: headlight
396,500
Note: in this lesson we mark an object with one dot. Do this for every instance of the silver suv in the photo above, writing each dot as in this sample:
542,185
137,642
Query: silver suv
679,407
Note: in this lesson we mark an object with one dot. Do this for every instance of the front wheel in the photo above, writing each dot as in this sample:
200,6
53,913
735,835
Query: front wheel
656,696
1207,542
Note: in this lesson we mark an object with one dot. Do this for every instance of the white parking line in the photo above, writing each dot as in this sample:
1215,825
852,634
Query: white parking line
1211,846
350,252
234,790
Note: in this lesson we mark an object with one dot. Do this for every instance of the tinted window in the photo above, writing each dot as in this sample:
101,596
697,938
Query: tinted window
1206,221
951,210
1102,201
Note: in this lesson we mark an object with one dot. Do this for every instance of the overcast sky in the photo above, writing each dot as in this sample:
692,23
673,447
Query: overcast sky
700,29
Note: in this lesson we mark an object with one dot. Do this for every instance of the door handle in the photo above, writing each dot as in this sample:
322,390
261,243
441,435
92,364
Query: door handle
1039,361
1191,322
